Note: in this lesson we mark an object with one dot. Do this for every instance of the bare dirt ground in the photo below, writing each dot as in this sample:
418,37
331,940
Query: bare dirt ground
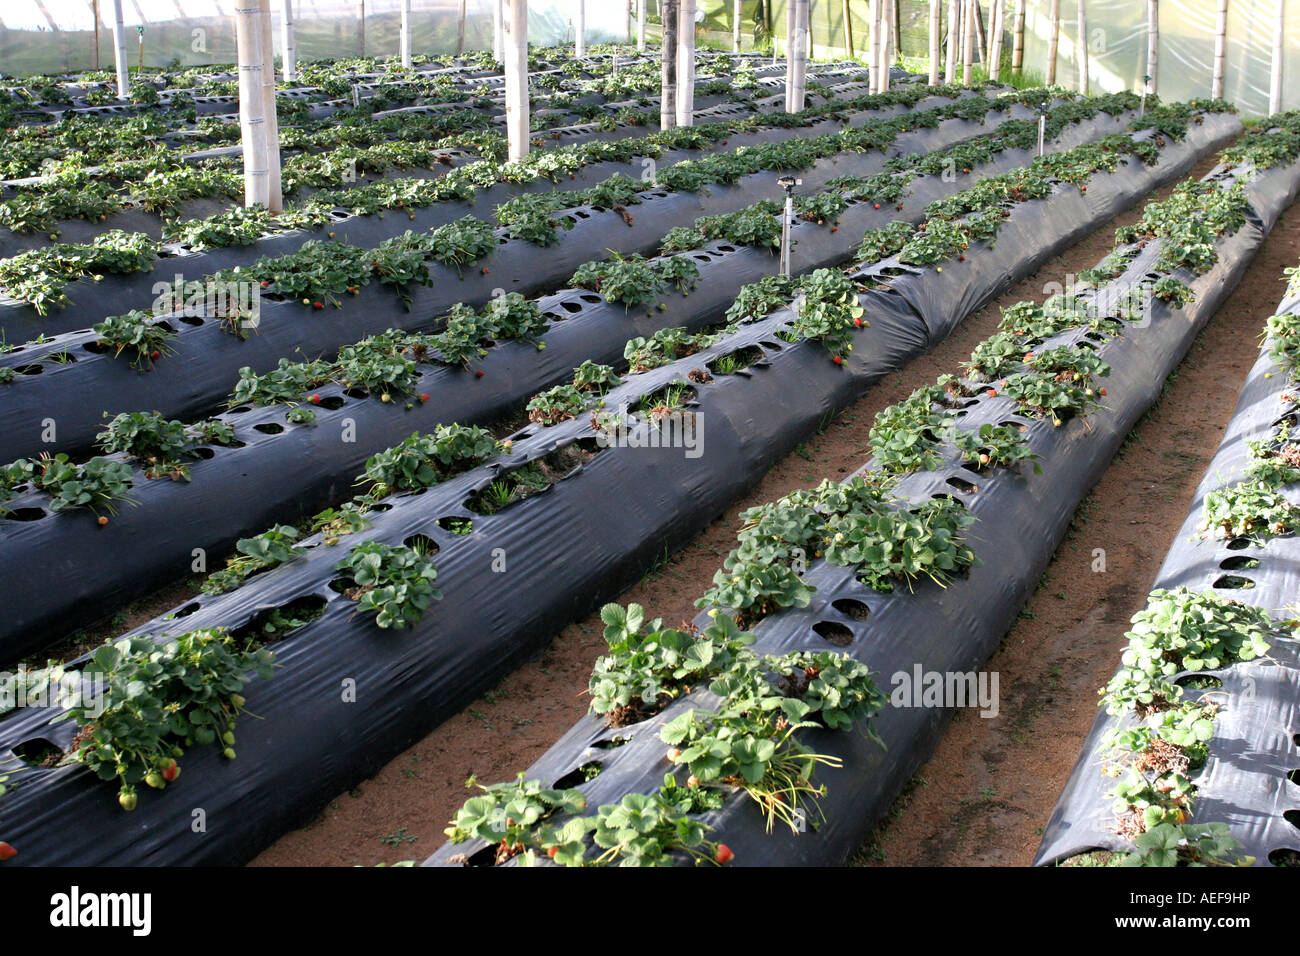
988,790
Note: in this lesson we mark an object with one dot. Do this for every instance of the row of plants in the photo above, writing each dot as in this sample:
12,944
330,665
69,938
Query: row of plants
1163,739
900,542
529,217
725,726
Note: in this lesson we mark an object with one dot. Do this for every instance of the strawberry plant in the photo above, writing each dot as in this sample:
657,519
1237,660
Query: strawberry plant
1181,630
160,444
394,582
96,483
627,279
828,312
645,670
1251,509
994,445
159,699
902,544
1168,844
666,345
556,405
590,377
287,383
760,298
906,436
507,814
884,242
424,460
256,554
754,590
135,331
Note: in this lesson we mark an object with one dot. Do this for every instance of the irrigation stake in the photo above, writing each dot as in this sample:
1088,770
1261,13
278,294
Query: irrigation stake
787,219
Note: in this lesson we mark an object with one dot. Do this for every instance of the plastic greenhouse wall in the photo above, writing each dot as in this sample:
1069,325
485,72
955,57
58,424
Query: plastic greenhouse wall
55,36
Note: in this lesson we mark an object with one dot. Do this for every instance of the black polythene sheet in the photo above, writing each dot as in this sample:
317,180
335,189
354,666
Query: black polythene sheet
1245,782
178,388
1021,519
301,469
91,301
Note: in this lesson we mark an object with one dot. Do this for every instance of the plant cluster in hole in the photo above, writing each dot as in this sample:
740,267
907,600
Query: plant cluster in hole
161,697
1155,753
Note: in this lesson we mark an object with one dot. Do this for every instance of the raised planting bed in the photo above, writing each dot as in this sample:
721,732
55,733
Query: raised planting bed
79,302
1192,757
986,527
47,376
305,467
394,666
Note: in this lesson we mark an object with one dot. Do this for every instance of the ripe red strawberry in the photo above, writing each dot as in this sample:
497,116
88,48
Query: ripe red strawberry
858,323
838,360
478,374
692,781
724,854
7,852
1083,189
318,305
966,169
103,520
877,205
171,771
1028,356
315,399
552,851
155,355
486,270
266,285
1103,392
991,393
961,258
424,396
835,228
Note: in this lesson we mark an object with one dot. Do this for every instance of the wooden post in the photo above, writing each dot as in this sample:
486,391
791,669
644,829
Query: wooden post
498,31
515,28
640,25
1153,45
796,56
1081,47
996,11
288,54
405,39
1220,50
848,31
935,14
686,63
1018,39
361,29
1275,79
1053,41
252,104
981,38
737,9
460,30
119,51
873,14
580,30
668,65
886,42
94,50
968,43
954,33
271,136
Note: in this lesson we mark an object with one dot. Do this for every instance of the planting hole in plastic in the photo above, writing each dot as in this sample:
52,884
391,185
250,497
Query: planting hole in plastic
29,369
774,346
269,428
1233,582
188,609
1199,682
1239,562
834,633
611,743
422,544
25,514
962,485
456,524
851,608
1284,857
39,752
1238,544
736,361
271,624
580,775
333,402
